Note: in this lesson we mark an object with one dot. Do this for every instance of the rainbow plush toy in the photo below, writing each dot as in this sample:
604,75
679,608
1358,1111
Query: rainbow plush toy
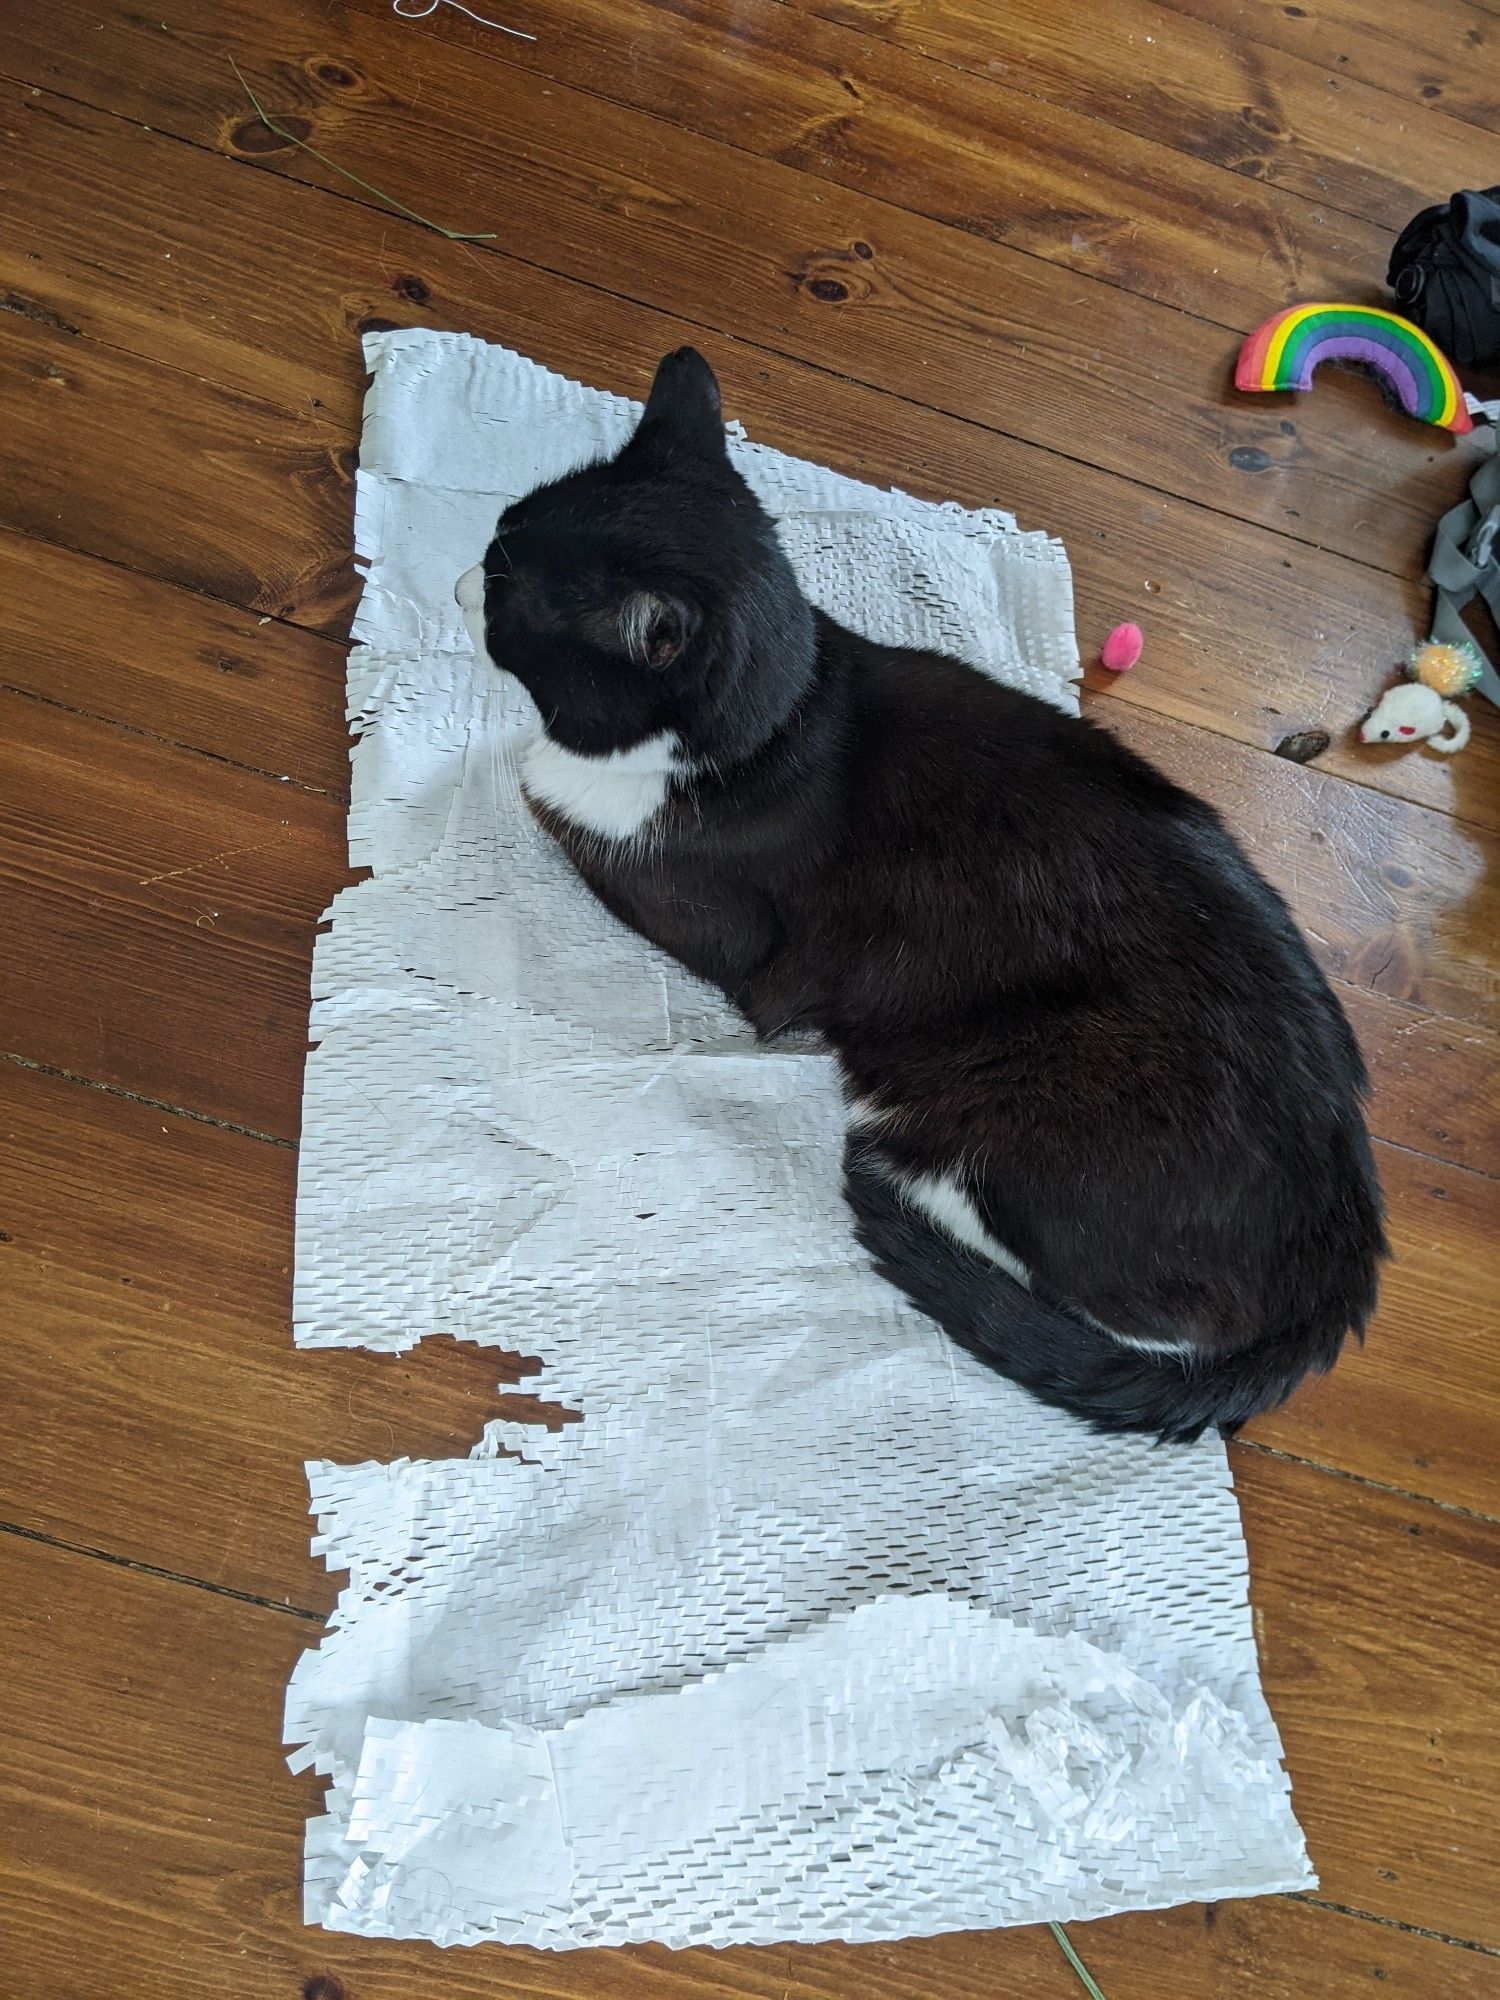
1283,353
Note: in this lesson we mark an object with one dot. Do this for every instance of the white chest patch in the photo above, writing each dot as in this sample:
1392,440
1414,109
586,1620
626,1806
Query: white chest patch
614,796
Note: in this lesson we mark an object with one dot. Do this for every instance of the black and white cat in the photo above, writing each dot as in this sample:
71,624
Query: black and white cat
1104,1112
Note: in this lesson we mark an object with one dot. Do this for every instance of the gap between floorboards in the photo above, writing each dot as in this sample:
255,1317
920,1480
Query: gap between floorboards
344,643
499,50
755,346
172,742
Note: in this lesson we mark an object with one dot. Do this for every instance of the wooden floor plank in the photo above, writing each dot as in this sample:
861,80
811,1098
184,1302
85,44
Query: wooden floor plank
113,643
1248,634
954,145
1438,53
1373,1616
1182,81
152,1821
1392,899
187,894
182,391
1419,1406
147,1268
752,247
168,906
154,1405
1437,1083
245,500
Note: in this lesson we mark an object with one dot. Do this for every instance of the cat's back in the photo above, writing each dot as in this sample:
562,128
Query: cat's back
1026,849
958,773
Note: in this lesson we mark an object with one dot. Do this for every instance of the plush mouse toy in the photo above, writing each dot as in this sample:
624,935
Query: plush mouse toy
1418,710
1412,713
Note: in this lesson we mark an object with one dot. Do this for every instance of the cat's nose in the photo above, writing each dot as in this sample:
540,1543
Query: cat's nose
468,592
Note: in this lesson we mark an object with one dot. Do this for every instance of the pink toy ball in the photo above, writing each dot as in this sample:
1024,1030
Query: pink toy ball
1122,648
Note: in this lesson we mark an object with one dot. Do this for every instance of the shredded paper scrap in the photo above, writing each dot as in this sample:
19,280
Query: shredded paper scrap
802,1624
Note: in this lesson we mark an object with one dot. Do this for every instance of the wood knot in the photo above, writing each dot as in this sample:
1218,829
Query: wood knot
1265,122
250,136
869,13
1271,451
411,288
1303,745
13,302
1390,962
323,1986
833,277
333,74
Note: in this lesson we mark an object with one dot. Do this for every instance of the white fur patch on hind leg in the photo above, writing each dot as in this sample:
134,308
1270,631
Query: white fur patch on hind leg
1160,1350
949,1208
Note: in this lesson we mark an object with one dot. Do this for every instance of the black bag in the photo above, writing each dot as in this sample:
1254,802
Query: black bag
1445,272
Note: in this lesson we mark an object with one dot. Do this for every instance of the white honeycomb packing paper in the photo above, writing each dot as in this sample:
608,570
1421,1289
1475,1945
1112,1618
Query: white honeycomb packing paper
802,1624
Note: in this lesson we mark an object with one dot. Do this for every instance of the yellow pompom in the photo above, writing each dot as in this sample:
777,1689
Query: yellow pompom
1450,671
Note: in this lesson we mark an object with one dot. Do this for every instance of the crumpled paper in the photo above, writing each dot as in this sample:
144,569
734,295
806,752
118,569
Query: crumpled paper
793,1622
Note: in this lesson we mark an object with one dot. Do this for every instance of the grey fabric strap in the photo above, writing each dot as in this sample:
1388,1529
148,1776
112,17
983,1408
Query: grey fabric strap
1465,564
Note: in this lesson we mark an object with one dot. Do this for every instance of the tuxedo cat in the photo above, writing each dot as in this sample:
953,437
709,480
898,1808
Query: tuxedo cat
1104,1112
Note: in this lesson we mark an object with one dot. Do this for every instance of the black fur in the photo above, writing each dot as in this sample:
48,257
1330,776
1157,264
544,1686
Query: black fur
1052,971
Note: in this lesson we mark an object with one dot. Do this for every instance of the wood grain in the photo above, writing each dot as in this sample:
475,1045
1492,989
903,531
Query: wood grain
1437,1083
957,146
203,674
1434,53
1248,634
1392,900
187,894
753,248
1418,1406
147,1259
242,495
1178,79
154,1404
1069,217
168,905
153,1822
1374,1619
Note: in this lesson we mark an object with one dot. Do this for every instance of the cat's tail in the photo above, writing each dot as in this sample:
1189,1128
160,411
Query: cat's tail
1060,1355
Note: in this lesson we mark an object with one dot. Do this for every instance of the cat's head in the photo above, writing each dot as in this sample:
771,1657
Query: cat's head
648,593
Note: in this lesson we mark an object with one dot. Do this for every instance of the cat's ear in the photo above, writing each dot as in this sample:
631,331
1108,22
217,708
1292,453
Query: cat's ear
656,627
684,403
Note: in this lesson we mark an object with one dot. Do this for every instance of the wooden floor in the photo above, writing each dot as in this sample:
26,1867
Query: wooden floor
1001,252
